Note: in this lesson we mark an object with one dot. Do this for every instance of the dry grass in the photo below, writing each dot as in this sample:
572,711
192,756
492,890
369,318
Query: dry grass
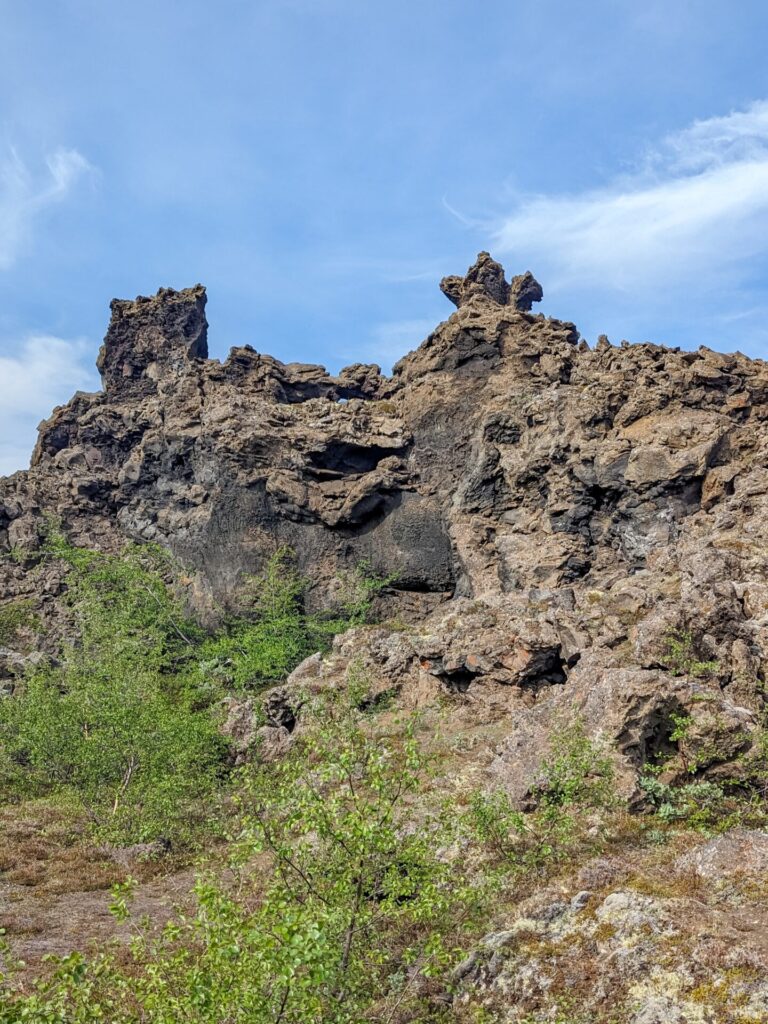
42,846
55,882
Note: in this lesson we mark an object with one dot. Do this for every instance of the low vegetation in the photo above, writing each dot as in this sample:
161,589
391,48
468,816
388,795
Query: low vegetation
577,777
353,898
350,887
15,616
113,723
125,721
339,909
273,633
682,657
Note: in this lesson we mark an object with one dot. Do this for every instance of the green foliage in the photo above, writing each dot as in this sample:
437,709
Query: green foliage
122,893
358,591
275,634
682,726
682,658
577,775
698,804
125,601
355,910
264,645
577,772
124,721
113,723
348,898
497,824
679,735
15,616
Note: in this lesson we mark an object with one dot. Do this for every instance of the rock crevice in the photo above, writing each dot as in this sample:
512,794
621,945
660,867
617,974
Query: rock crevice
551,512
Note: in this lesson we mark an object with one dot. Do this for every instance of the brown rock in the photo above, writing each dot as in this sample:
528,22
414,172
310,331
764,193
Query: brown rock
554,515
740,852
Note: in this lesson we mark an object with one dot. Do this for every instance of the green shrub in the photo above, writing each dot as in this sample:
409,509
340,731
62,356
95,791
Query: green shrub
576,776
578,771
275,633
698,804
113,723
352,915
682,659
15,616
359,587
124,722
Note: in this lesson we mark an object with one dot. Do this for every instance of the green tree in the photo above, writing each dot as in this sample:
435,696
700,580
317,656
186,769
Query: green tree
113,722
274,633
342,912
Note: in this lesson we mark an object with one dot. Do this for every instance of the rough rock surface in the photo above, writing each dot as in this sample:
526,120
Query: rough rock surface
575,531
687,957
740,852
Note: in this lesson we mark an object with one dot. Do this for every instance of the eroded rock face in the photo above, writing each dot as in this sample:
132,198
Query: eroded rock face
554,513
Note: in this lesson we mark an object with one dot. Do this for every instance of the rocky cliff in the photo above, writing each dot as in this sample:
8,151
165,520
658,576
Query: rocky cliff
574,531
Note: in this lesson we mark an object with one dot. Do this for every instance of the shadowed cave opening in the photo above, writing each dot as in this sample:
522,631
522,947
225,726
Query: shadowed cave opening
459,681
655,746
548,667
344,458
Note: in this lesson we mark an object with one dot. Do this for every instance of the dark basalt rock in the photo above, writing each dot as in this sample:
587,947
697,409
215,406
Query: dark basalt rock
485,280
601,497
151,337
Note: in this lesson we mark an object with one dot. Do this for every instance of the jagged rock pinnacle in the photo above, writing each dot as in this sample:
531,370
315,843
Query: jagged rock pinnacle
150,336
485,280
574,537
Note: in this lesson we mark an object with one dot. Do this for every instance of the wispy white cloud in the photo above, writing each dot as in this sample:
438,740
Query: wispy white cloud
741,135
695,208
43,372
24,194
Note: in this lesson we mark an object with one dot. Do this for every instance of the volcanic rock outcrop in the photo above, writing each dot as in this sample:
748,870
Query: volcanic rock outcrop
575,532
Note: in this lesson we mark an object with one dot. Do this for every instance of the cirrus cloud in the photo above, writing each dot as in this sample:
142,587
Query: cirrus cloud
24,194
695,207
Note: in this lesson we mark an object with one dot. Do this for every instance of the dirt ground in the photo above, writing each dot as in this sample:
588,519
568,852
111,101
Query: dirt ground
55,886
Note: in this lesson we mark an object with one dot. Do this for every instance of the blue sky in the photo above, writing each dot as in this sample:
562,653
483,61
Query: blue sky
320,164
